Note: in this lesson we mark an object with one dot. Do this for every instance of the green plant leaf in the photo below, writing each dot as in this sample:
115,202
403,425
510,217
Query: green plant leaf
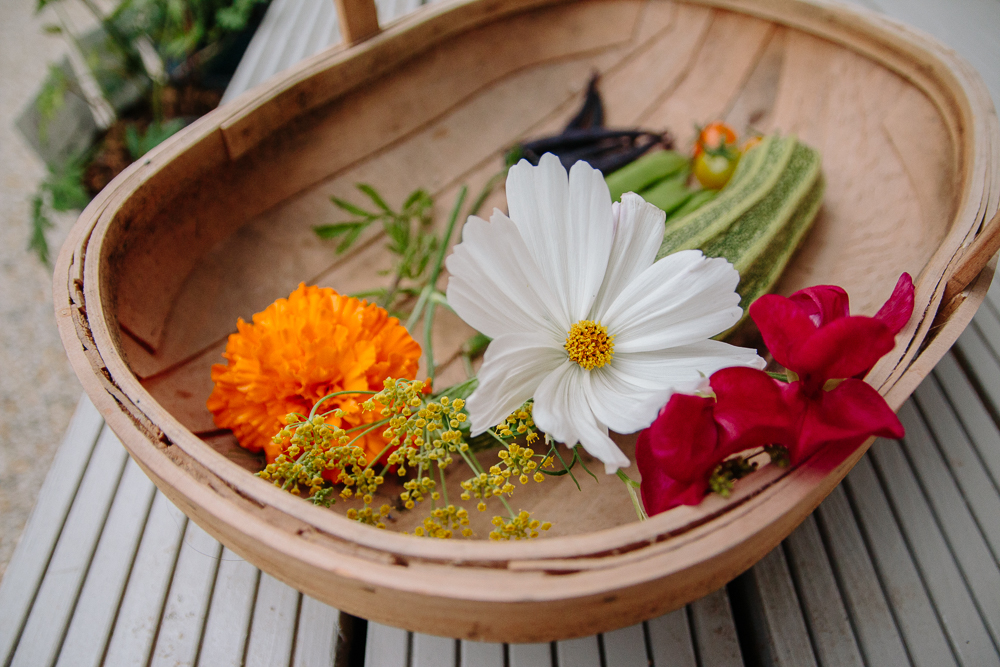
347,206
374,196
339,229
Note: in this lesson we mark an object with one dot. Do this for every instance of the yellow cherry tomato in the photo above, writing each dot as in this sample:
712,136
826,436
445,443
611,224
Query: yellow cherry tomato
714,171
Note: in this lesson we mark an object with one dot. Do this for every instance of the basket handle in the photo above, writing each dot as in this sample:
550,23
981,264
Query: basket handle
986,245
358,20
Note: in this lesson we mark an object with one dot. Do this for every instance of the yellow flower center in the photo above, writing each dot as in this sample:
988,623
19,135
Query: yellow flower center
589,344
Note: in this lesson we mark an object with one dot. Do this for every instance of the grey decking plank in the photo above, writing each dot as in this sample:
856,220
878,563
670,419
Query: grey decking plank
273,629
318,635
670,640
714,631
27,565
977,489
431,651
183,619
959,568
877,633
583,652
228,623
386,646
53,607
777,618
989,326
829,626
939,573
139,614
982,365
530,655
626,647
93,619
481,654
975,418
911,604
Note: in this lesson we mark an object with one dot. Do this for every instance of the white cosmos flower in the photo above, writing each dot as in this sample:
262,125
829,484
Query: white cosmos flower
581,317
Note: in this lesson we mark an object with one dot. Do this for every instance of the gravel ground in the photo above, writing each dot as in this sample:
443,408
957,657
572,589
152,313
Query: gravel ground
38,391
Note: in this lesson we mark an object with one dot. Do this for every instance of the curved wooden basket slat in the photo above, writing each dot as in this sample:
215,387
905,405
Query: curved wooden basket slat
215,224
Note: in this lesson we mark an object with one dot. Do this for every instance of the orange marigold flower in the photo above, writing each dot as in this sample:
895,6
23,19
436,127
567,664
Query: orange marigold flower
300,349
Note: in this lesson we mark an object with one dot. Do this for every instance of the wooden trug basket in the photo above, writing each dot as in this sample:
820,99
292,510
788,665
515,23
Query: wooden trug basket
216,223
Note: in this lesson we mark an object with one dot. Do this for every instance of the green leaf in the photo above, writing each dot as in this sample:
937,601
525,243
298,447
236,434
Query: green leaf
333,231
351,208
39,224
374,196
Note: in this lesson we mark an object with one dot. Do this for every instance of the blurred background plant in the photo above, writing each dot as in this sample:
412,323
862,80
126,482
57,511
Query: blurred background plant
149,68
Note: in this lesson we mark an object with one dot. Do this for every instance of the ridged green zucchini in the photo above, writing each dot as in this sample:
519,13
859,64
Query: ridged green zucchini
761,277
758,173
746,240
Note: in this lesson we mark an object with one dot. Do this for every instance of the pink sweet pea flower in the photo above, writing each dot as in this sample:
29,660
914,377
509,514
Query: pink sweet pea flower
812,334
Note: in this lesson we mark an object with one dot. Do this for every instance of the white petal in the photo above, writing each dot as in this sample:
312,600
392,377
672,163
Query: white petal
638,234
683,298
567,226
561,410
513,367
619,402
682,368
495,285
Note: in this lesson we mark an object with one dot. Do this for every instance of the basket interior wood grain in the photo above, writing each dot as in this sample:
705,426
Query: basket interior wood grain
446,118
217,222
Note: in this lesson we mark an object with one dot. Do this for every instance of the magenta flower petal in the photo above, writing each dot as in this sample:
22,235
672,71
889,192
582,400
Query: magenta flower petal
896,312
852,412
822,303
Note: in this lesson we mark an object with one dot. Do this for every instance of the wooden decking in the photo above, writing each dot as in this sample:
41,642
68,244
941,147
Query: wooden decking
898,566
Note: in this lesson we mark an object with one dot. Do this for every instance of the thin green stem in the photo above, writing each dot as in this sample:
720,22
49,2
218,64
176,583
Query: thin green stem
498,438
428,341
419,308
631,486
312,412
452,219
487,189
563,461
380,422
362,434
504,501
375,460
444,487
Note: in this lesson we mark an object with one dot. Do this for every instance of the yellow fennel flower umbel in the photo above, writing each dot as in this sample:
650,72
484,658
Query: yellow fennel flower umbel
298,350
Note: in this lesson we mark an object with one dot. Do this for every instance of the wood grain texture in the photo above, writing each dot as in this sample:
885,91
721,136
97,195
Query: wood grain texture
865,601
141,607
242,187
41,533
228,624
53,607
822,604
915,614
96,608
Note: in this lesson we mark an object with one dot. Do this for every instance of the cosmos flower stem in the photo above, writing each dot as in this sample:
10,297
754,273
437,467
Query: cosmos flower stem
631,485
312,413
428,340
449,230
419,308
